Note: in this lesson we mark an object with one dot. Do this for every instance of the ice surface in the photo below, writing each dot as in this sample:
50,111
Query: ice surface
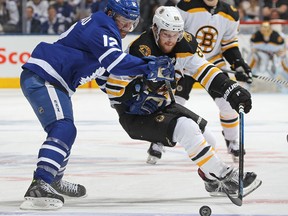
113,169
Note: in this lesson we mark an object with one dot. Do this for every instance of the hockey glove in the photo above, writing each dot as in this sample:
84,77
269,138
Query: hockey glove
161,68
236,95
243,71
147,103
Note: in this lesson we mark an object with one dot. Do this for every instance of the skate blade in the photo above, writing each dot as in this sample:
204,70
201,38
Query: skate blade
71,198
221,194
41,204
252,187
152,160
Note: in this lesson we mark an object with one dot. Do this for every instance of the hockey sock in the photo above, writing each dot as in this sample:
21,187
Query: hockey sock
56,147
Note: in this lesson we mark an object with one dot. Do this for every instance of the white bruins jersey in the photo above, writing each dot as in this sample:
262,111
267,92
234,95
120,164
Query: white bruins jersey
215,29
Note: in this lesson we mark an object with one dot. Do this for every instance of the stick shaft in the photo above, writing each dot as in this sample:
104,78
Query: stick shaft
241,149
264,78
169,88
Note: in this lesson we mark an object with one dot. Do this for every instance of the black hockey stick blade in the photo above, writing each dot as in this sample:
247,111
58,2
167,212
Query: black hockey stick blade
239,199
235,200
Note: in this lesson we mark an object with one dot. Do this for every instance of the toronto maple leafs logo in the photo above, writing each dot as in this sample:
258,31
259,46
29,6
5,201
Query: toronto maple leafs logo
100,71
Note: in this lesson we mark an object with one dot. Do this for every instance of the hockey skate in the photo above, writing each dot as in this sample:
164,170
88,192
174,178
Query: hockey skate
41,196
218,187
68,189
155,153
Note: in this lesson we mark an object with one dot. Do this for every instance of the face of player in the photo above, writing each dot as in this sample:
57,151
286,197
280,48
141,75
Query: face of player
125,25
211,3
167,40
266,29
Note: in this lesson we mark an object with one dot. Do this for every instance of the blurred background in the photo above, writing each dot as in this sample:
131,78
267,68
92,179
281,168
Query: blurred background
25,23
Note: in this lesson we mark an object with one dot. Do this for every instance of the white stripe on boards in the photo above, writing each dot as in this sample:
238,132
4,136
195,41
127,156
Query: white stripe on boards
49,161
60,151
55,101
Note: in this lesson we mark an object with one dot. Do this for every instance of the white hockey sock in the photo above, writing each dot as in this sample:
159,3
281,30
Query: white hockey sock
188,134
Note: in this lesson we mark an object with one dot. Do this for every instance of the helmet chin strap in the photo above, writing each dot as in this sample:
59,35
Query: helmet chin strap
156,33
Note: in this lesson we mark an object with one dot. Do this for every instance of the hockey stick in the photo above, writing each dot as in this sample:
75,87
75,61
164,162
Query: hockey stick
241,151
169,88
264,78
238,200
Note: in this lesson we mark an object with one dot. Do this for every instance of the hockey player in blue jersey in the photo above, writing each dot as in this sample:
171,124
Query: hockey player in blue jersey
51,75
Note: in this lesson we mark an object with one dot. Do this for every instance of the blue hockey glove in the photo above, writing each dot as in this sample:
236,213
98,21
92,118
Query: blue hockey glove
146,104
161,68
243,71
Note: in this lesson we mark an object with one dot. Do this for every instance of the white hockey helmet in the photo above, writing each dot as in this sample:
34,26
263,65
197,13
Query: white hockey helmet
167,18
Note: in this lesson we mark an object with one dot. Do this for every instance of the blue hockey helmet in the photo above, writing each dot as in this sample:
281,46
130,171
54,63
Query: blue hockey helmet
126,8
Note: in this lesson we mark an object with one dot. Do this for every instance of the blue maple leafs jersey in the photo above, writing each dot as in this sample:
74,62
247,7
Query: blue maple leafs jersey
84,52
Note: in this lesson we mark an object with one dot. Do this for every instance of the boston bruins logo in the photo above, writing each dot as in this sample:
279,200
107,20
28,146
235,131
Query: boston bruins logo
159,118
145,50
187,37
179,88
207,37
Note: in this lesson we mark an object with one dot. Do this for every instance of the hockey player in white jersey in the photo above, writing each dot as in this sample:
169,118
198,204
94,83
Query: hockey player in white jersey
146,113
51,75
215,25
269,53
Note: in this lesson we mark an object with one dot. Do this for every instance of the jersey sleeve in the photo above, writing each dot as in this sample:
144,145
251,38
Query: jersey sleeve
191,61
230,38
108,50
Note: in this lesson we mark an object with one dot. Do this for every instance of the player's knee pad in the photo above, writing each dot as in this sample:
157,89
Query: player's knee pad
187,133
63,130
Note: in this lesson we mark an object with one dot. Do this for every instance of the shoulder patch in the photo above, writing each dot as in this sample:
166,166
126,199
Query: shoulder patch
188,37
145,50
